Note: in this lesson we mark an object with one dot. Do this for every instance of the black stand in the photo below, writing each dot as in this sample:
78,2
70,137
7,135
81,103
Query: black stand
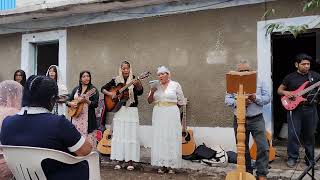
314,161
311,166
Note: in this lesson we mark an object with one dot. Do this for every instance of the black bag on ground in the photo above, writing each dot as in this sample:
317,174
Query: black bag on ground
201,152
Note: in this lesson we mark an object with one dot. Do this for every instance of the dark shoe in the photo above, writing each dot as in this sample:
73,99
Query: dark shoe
291,163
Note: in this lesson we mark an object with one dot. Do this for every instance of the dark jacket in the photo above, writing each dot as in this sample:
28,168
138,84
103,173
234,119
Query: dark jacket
92,119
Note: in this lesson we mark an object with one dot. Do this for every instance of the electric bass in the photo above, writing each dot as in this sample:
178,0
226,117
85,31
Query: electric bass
291,103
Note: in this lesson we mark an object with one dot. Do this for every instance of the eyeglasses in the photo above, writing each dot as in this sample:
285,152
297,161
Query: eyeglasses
245,70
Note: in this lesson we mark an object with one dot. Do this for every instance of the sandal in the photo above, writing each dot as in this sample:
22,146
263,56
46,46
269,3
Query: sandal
117,167
130,168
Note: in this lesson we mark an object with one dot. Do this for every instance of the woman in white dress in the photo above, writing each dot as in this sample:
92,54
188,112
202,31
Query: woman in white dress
166,146
125,145
60,107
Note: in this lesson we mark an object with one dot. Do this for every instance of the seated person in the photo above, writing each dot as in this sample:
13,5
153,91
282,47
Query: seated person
35,126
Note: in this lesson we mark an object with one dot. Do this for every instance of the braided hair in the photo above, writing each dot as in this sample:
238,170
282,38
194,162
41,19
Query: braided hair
40,91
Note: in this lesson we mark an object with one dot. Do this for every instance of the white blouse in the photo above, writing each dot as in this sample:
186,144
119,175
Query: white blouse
173,93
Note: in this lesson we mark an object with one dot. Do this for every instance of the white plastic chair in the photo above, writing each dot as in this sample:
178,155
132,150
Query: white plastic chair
25,162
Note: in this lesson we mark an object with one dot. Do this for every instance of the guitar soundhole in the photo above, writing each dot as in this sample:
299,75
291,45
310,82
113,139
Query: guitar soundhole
109,136
186,136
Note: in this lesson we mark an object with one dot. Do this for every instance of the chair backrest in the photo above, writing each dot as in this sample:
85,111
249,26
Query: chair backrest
25,162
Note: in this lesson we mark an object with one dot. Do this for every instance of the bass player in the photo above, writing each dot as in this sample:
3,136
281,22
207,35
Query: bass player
303,119
125,144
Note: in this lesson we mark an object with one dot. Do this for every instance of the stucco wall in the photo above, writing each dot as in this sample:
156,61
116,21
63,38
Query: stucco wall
10,50
199,48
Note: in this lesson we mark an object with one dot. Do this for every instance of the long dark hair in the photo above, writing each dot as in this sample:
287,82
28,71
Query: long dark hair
80,84
40,91
24,77
55,70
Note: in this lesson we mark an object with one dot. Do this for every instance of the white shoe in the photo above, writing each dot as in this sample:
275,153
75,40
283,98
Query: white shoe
117,167
130,168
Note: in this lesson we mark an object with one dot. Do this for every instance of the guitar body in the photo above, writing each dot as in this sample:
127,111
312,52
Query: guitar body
290,104
75,112
104,145
272,151
188,143
113,105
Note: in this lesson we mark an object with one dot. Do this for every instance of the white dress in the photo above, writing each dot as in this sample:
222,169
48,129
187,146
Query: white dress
125,145
166,146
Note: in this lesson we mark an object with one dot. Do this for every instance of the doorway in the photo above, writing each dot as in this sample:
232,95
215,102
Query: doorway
284,48
46,54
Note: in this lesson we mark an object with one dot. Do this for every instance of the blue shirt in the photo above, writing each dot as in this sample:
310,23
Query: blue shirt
37,127
255,108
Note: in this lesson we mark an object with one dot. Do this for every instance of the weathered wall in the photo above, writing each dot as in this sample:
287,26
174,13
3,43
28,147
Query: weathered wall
199,49
10,53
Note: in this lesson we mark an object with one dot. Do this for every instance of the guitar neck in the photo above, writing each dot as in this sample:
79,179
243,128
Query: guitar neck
308,89
184,117
126,86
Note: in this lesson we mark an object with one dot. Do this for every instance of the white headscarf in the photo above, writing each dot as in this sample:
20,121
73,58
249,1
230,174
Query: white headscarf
120,79
10,98
163,69
62,89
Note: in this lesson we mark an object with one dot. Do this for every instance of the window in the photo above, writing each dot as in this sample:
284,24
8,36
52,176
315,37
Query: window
7,4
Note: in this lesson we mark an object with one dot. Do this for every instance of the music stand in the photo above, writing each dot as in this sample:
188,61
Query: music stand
241,83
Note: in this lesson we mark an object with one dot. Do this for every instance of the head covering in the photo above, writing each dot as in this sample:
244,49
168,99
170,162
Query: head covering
10,98
62,90
120,79
61,87
163,69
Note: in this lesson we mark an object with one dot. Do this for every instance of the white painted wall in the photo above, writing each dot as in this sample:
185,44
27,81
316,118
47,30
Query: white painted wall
212,136
27,3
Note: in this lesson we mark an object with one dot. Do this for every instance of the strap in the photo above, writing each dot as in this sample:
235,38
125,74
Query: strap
310,77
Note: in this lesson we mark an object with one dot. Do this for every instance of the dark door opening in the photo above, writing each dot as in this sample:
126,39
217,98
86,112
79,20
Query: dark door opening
284,48
47,54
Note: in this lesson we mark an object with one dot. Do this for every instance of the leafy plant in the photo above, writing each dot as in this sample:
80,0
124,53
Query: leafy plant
294,30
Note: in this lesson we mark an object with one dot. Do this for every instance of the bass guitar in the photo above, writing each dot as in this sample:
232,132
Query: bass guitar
188,143
75,112
291,103
114,104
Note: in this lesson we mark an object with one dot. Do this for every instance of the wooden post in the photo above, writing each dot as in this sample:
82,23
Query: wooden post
243,81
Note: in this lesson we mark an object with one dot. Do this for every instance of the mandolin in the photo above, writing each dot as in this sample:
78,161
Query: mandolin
75,112
113,105
188,143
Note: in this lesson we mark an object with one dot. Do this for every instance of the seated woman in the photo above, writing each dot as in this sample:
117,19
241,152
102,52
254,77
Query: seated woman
35,126
10,104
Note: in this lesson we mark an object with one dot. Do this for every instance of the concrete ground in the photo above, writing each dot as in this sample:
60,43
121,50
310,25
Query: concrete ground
197,170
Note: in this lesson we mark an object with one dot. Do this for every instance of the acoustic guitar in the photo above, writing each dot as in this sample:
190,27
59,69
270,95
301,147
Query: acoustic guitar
75,112
291,103
104,145
113,105
188,143
272,151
